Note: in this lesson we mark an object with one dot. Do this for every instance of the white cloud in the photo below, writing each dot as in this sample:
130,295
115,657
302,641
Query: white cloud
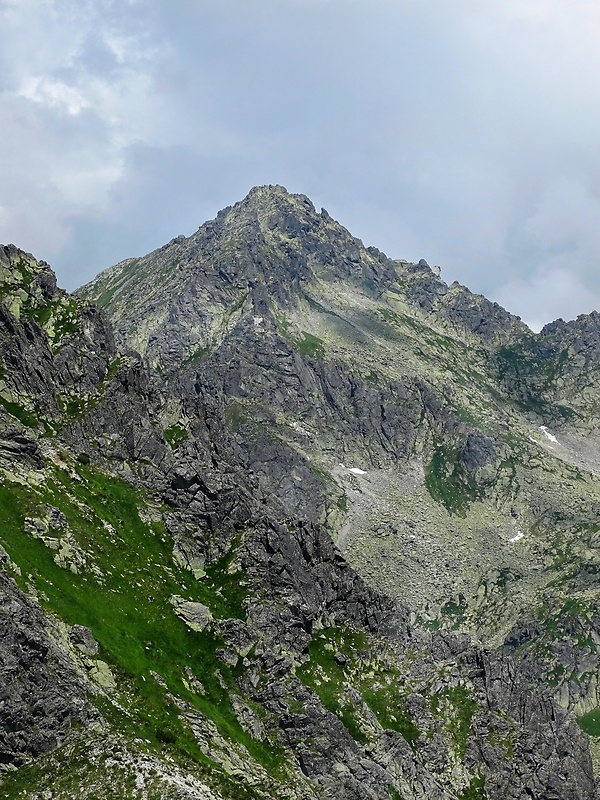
76,92
552,291
54,94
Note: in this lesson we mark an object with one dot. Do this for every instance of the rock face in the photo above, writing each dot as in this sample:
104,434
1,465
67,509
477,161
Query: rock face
175,304
42,695
555,373
57,351
179,517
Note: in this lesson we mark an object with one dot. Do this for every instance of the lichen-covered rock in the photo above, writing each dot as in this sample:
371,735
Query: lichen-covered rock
196,615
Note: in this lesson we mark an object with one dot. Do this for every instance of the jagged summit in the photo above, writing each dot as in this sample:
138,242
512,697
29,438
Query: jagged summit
268,208
263,255
268,196
259,253
24,281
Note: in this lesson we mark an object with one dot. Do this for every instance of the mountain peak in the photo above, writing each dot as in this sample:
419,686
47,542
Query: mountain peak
266,248
270,253
269,194
264,199
271,191
269,208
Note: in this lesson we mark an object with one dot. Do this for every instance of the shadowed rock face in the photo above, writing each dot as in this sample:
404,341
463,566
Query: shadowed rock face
215,620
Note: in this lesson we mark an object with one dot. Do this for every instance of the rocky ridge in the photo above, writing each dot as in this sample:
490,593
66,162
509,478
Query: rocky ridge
171,534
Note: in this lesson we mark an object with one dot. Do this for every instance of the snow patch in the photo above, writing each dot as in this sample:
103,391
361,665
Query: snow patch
518,537
550,436
356,471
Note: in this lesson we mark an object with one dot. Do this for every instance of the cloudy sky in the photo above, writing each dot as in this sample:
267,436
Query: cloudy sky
466,132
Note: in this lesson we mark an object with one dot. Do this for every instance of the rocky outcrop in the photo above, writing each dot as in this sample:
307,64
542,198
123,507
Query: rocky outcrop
42,696
56,351
457,307
570,660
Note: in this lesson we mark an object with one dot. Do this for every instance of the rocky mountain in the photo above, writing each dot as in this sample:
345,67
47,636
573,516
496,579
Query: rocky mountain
452,453
299,521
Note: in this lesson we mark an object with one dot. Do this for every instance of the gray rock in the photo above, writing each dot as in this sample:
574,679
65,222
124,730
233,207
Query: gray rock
83,639
263,408
195,615
42,696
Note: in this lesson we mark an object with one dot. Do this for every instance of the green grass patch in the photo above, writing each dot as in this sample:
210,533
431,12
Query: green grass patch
26,271
113,369
283,324
40,314
311,345
123,595
74,406
60,318
388,704
448,484
105,298
196,356
328,678
22,414
475,790
67,321
175,435
457,708
455,610
590,722
394,793
108,289
573,616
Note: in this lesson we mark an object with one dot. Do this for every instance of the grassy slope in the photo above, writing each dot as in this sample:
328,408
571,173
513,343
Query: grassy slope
125,578
123,595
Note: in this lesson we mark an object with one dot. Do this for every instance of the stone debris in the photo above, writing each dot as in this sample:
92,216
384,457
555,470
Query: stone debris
196,616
